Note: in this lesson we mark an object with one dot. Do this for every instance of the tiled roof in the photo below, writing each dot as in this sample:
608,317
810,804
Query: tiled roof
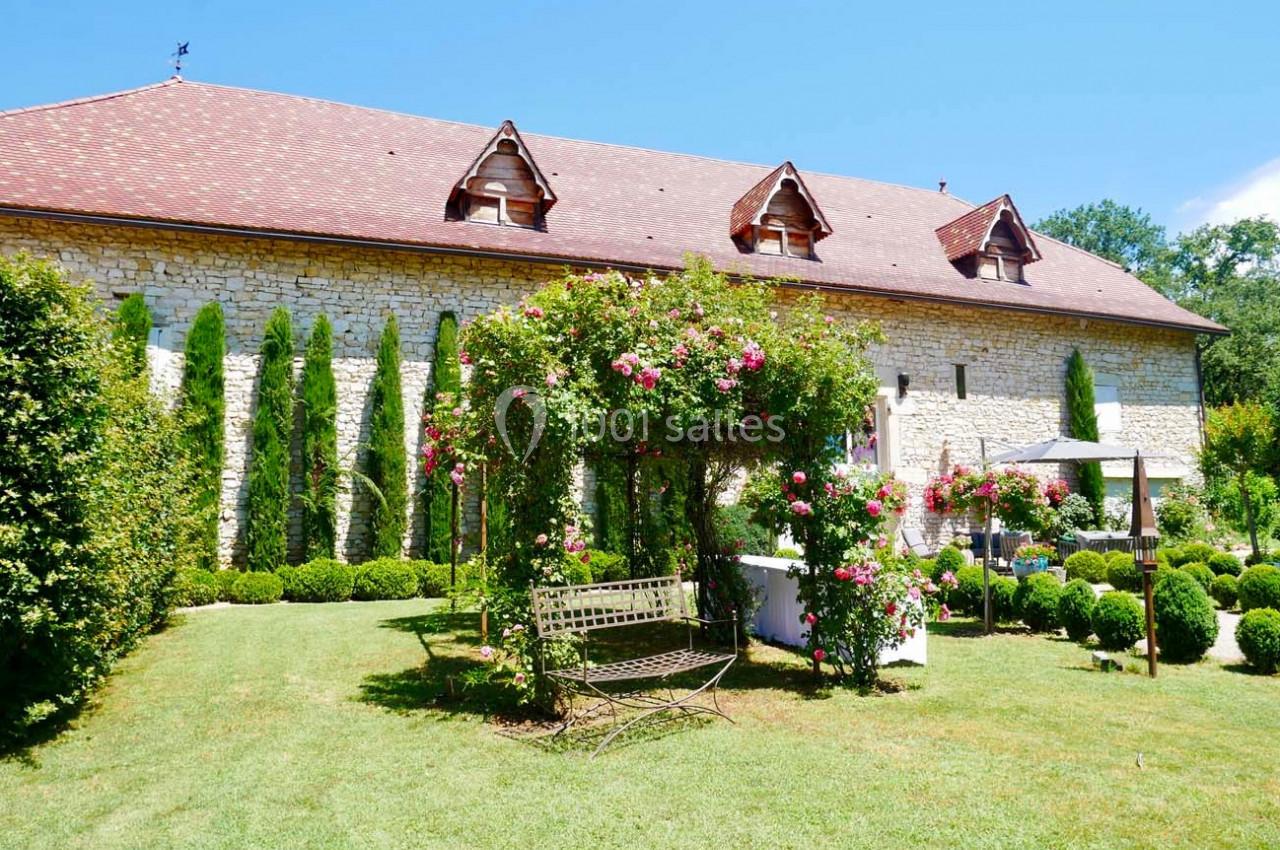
212,156
746,211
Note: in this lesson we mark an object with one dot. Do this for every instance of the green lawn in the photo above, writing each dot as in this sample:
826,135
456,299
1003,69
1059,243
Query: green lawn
320,726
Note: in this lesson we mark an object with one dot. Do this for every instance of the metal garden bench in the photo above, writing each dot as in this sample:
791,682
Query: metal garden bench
579,609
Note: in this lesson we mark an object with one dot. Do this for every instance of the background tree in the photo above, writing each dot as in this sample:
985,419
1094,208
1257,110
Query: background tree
1240,437
266,536
386,463
1118,233
319,397
437,495
204,405
1082,419
130,330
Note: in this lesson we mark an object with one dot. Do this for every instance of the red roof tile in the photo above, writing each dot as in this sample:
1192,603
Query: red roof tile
213,156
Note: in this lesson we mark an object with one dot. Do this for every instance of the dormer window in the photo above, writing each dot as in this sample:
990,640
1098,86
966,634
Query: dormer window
778,216
503,185
990,242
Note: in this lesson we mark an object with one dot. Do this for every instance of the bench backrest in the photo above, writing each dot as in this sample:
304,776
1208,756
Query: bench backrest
583,607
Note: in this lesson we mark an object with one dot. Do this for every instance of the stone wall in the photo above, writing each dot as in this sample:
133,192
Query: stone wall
1015,362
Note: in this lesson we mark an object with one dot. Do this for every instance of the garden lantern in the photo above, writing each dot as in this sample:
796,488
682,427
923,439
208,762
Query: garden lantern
1146,537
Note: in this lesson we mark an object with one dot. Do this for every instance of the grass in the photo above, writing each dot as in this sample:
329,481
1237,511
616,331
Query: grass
330,726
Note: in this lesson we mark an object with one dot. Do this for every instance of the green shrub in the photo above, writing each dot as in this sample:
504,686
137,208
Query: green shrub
385,465
1195,553
1075,609
1073,514
287,577
446,379
1090,566
608,566
203,408
321,580
1036,600
1259,587
434,579
225,579
1186,625
1262,557
1004,591
1224,591
1118,620
257,589
193,587
1180,514
949,560
1172,555
1123,573
1082,419
385,578
318,395
738,529
1200,572
266,532
95,508
130,330
966,596
577,571
1224,564
1258,635
787,552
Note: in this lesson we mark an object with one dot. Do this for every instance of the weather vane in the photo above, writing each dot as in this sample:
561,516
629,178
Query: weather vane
177,57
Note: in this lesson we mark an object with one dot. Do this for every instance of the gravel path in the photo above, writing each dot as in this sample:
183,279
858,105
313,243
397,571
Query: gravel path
1224,649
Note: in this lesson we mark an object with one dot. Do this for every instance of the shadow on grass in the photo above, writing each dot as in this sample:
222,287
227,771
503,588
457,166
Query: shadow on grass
584,739
1245,669
970,628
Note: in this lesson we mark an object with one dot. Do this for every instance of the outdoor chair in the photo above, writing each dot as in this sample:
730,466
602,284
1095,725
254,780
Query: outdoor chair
580,609
914,541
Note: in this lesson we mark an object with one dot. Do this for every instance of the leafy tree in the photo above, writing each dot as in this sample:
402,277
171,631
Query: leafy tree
1082,419
266,536
130,329
446,380
386,465
1241,438
319,397
204,406
1118,233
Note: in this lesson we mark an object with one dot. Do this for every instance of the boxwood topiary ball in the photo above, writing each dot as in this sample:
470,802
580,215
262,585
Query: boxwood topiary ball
1259,587
1224,591
1200,572
1258,635
1123,573
1186,625
1075,609
1037,601
1003,591
1224,564
321,580
385,578
1090,566
1193,552
950,560
967,594
1118,620
257,588
194,587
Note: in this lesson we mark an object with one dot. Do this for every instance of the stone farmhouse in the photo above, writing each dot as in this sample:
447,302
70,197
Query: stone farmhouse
189,192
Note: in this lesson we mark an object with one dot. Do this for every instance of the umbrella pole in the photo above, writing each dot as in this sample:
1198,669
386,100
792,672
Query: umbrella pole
986,555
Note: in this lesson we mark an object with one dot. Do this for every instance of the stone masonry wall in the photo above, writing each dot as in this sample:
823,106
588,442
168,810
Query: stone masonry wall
1015,362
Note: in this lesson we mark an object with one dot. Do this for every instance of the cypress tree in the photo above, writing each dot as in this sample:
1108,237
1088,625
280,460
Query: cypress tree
446,377
130,330
203,403
319,397
387,460
267,533
1082,418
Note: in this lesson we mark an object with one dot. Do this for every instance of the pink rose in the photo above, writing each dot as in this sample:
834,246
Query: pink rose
486,652
733,366
540,540
648,377
753,356
842,574
811,618
801,508
799,477
457,477
533,312
944,613
725,384
518,678
890,609
819,655
552,380
873,508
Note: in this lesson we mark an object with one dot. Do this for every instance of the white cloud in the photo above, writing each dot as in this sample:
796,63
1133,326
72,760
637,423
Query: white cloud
1257,194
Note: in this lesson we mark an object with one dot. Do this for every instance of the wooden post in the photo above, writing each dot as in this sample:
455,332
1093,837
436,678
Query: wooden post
1146,536
988,621
453,547
484,551
1147,582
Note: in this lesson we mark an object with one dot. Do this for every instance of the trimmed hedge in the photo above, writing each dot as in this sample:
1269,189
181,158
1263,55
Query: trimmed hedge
1075,609
1259,587
609,566
1224,591
319,580
1117,620
194,587
577,571
385,578
1200,572
1123,573
225,578
1258,634
433,579
1225,564
1090,566
1186,625
950,560
257,589
1037,601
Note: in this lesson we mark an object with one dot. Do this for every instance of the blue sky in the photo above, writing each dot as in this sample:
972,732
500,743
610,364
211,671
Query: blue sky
1174,107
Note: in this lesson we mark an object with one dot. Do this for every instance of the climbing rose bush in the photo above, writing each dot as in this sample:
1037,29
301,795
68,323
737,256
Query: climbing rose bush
1013,495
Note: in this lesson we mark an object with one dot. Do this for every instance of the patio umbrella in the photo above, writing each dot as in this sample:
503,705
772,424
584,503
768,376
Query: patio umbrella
1064,449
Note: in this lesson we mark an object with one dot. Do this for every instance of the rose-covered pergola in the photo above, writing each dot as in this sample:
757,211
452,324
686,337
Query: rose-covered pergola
698,378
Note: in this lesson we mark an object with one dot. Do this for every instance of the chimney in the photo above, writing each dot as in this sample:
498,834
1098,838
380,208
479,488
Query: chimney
942,186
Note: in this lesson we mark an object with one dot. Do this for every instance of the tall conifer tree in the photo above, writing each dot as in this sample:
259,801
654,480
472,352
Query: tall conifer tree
130,330
387,460
1082,418
319,397
268,524
446,378
204,407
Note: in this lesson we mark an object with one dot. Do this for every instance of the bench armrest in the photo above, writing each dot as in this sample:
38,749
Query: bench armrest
732,619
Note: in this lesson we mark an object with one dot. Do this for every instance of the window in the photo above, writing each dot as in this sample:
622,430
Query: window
503,186
1106,403
961,390
779,217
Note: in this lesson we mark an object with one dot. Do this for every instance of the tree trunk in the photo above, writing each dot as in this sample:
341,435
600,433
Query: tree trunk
1248,514
633,548
700,522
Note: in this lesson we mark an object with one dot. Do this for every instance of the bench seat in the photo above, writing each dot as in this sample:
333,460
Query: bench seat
649,667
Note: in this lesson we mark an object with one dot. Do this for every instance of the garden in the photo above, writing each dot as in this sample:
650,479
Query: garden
298,699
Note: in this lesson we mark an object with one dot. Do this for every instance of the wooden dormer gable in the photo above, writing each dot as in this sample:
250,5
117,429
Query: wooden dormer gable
990,241
503,185
779,216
